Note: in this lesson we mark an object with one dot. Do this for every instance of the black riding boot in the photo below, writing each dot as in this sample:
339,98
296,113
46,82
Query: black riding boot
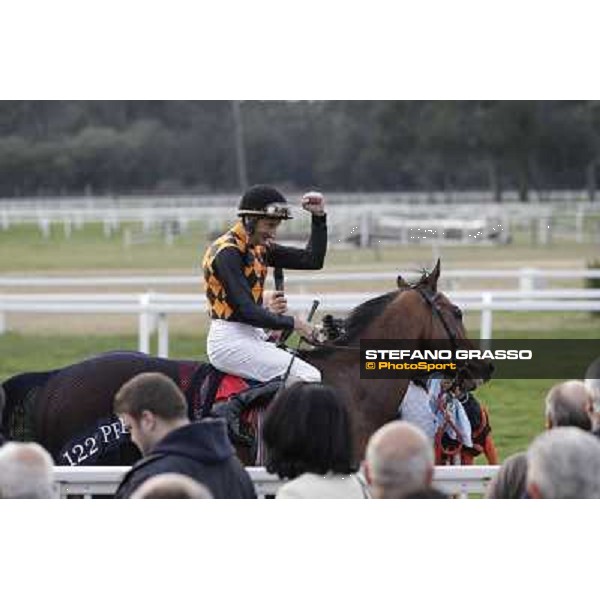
232,409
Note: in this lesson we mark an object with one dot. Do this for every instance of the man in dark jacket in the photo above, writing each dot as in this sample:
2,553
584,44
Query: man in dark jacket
155,412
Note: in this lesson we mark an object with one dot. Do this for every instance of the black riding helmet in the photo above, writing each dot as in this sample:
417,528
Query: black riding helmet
264,201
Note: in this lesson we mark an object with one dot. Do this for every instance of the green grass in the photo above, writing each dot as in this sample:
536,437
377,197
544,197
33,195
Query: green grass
23,248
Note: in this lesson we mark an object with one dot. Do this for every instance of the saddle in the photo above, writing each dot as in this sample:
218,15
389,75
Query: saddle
237,400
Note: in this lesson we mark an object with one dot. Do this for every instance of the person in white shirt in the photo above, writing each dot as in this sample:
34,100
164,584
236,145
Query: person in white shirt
308,435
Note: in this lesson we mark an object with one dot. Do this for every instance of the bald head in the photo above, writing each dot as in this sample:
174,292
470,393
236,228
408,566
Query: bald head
569,404
399,460
592,383
26,471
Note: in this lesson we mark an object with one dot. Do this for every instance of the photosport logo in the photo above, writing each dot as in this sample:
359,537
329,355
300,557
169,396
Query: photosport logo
509,359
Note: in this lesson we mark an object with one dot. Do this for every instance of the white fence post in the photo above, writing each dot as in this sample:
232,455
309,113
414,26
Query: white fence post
485,330
163,336
144,324
365,229
529,279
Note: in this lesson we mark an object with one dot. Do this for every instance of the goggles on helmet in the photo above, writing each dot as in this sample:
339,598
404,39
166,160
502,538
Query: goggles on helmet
271,211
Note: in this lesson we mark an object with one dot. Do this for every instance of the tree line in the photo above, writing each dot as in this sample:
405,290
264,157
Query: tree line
124,147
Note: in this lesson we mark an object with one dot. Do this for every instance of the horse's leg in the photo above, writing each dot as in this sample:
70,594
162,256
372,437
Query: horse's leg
466,458
489,449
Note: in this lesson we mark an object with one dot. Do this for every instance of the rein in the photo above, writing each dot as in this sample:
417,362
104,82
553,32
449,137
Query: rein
430,301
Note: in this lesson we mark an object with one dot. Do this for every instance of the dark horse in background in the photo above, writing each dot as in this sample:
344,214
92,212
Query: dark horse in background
69,410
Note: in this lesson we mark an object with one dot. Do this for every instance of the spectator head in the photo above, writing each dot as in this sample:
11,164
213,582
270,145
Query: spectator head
2,405
171,486
564,463
26,471
429,493
399,461
592,383
151,406
308,429
511,480
569,404
2,402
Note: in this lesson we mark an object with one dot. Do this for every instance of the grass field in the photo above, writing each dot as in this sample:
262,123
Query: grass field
23,249
43,342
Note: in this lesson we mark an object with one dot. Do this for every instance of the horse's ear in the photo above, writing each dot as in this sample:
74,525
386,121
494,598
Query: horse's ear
432,279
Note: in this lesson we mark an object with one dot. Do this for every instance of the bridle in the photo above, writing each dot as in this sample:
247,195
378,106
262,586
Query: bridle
430,299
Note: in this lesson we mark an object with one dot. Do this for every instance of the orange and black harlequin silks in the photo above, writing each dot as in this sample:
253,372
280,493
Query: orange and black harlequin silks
255,271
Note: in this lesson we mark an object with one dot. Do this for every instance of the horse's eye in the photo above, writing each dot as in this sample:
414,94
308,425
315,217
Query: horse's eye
457,312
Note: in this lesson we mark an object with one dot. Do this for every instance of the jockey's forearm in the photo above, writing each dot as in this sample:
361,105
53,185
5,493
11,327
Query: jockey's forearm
311,257
228,264
257,316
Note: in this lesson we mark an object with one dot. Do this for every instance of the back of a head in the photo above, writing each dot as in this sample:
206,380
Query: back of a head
26,471
308,428
510,481
2,402
568,405
2,405
153,392
592,383
399,460
564,463
171,486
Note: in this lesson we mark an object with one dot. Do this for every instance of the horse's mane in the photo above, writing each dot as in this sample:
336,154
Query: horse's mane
356,322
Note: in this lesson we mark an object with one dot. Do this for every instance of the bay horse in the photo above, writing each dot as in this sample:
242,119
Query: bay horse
69,410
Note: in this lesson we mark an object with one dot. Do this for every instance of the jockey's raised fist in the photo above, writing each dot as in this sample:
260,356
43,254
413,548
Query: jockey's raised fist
314,203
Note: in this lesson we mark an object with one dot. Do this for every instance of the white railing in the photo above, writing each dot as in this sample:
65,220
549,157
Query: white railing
103,481
153,309
420,217
527,278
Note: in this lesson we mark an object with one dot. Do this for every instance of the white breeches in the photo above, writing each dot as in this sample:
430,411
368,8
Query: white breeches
242,350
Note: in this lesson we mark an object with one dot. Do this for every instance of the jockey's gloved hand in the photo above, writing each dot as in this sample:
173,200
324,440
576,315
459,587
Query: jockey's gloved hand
276,302
304,328
314,203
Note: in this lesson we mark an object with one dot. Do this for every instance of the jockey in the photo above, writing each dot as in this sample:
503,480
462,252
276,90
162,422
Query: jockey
235,268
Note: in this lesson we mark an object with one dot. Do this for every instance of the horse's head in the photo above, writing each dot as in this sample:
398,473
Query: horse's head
435,317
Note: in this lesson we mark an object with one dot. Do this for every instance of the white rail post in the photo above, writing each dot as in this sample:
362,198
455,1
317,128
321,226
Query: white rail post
364,229
163,335
579,218
2,322
144,324
527,281
485,330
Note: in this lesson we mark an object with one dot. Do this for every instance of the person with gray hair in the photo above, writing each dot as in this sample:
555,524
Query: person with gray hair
171,486
399,461
510,481
592,383
2,405
569,404
26,471
564,462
